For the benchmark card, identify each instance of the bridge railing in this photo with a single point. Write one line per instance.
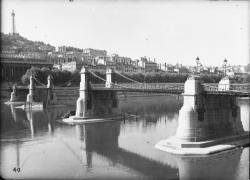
(27, 87)
(240, 87)
(155, 85)
(97, 86)
(243, 88)
(173, 86)
(210, 86)
(232, 87)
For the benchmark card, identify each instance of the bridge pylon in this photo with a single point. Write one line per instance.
(51, 96)
(109, 78)
(49, 82)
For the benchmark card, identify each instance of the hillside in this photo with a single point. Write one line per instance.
(20, 43)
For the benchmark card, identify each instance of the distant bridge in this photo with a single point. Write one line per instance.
(13, 67)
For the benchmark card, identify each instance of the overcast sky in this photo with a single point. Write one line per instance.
(172, 32)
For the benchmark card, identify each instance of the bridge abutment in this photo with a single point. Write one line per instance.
(109, 78)
(208, 123)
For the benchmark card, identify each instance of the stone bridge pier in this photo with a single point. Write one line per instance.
(96, 103)
(208, 123)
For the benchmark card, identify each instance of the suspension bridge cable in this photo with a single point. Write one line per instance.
(136, 81)
(60, 85)
(97, 76)
(127, 78)
(39, 82)
(106, 80)
(121, 85)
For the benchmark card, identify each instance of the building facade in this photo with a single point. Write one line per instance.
(94, 52)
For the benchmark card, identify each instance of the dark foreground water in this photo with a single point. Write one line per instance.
(35, 145)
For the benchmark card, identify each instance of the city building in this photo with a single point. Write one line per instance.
(151, 67)
(66, 49)
(148, 65)
(163, 67)
(94, 52)
(71, 66)
(127, 64)
(121, 63)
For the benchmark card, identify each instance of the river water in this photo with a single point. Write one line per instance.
(35, 145)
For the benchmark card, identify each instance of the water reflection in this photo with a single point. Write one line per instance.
(41, 119)
(30, 117)
(85, 149)
(35, 142)
(151, 109)
(219, 166)
(13, 112)
(18, 155)
(15, 119)
(244, 113)
(103, 138)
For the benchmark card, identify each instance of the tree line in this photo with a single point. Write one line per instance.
(68, 78)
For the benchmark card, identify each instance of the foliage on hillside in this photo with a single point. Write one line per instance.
(22, 44)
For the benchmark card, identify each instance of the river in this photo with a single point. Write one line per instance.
(35, 145)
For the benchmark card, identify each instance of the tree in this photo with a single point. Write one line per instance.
(247, 68)
(67, 78)
(246, 78)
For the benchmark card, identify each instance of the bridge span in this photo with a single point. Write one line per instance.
(43, 91)
(209, 120)
(240, 90)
